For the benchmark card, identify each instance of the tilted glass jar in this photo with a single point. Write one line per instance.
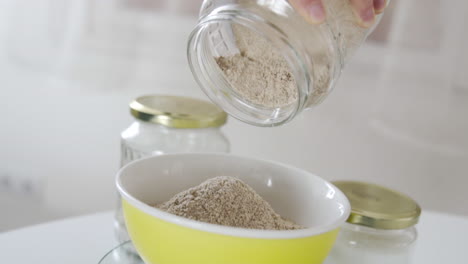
(381, 227)
(316, 54)
(169, 124)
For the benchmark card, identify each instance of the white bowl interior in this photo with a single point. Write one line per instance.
(295, 194)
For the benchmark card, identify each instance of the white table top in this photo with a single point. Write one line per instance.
(442, 239)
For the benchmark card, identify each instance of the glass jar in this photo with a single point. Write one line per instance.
(381, 227)
(315, 54)
(169, 124)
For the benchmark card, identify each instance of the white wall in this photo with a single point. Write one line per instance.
(397, 116)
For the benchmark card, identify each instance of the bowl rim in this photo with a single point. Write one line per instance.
(345, 207)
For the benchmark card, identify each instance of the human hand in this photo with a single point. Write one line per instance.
(365, 10)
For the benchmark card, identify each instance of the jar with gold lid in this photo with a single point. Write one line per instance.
(169, 124)
(381, 227)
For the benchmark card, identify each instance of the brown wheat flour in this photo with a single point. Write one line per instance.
(258, 73)
(226, 201)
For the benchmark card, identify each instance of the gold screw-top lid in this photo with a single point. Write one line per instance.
(177, 111)
(379, 207)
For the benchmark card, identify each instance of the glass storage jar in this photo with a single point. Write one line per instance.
(316, 54)
(381, 227)
(169, 124)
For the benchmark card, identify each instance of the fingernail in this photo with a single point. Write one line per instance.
(379, 6)
(367, 17)
(316, 12)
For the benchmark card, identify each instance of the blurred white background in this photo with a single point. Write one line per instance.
(398, 117)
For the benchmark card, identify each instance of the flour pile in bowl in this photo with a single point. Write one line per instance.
(227, 201)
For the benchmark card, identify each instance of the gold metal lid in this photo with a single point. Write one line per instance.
(379, 207)
(177, 111)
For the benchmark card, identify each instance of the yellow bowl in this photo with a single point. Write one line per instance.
(161, 238)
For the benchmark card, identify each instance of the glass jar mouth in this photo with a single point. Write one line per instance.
(212, 35)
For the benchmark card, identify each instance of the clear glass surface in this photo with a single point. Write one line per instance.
(363, 245)
(122, 254)
(142, 139)
(316, 54)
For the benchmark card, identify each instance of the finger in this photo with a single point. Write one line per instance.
(379, 6)
(311, 10)
(364, 10)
